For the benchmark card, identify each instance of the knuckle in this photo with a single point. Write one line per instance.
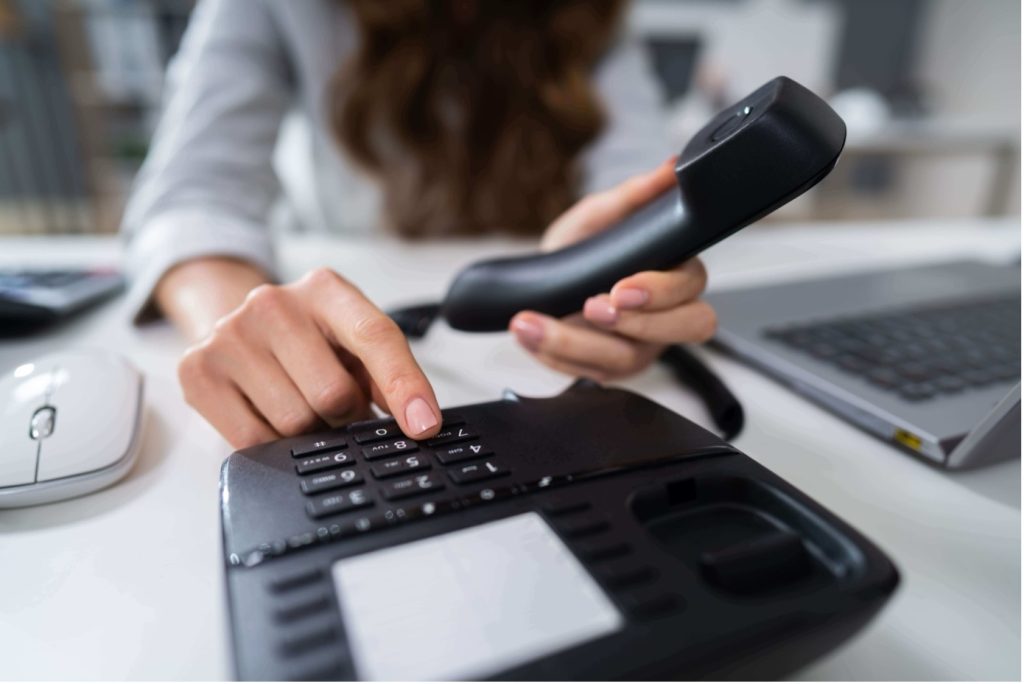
(630, 360)
(320, 277)
(296, 422)
(555, 339)
(193, 367)
(637, 327)
(266, 300)
(227, 328)
(335, 397)
(375, 329)
(707, 322)
(400, 383)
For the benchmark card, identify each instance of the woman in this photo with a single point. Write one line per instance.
(443, 117)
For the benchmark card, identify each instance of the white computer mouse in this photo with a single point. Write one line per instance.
(69, 425)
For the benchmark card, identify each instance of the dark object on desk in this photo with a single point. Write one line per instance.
(927, 358)
(591, 535)
(723, 406)
(749, 160)
(37, 297)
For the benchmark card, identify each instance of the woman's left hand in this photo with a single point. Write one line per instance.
(620, 332)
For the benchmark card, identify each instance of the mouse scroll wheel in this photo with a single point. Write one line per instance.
(732, 123)
(43, 420)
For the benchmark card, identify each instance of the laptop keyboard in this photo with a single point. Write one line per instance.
(919, 352)
(44, 279)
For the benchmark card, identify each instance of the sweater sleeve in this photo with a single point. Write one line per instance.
(208, 181)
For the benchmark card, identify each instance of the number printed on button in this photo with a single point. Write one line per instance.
(456, 434)
(462, 452)
(390, 448)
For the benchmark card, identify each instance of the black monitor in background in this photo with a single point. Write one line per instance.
(878, 44)
(675, 61)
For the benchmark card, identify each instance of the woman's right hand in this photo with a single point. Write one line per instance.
(293, 358)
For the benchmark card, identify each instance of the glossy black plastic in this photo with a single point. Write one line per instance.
(720, 568)
(746, 162)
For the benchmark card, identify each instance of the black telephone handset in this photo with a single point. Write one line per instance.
(751, 159)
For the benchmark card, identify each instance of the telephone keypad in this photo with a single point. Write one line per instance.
(334, 481)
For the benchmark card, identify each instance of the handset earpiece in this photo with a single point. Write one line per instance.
(749, 160)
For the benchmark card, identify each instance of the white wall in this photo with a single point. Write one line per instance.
(970, 62)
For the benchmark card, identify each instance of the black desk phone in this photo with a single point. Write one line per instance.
(590, 535)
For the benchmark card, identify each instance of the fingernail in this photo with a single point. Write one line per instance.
(529, 332)
(419, 416)
(600, 311)
(630, 298)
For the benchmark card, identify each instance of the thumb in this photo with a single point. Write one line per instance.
(596, 212)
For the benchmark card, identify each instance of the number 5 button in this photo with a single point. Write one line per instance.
(397, 466)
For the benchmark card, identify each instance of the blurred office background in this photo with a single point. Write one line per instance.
(930, 90)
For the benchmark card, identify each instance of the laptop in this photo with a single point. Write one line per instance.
(36, 296)
(927, 358)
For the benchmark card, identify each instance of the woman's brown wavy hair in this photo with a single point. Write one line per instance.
(471, 114)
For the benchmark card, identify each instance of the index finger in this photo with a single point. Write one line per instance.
(366, 332)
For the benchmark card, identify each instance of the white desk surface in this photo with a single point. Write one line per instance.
(128, 582)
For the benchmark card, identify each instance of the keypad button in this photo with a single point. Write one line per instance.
(389, 448)
(411, 486)
(399, 466)
(314, 464)
(375, 434)
(319, 446)
(486, 495)
(557, 507)
(300, 540)
(331, 480)
(462, 452)
(453, 434)
(594, 553)
(451, 420)
(474, 472)
(339, 503)
(644, 603)
(622, 575)
(583, 528)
